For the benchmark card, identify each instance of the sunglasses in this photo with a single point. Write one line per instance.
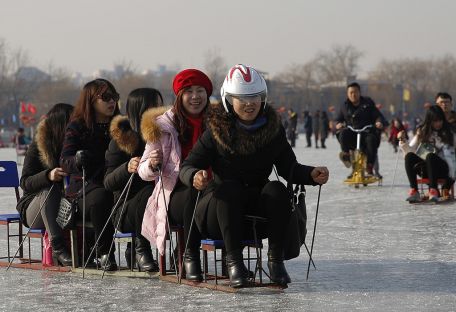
(107, 96)
(244, 99)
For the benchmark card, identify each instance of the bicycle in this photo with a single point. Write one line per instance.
(359, 162)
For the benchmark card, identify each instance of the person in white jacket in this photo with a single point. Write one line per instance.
(430, 154)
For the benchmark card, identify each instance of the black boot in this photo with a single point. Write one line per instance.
(276, 267)
(144, 258)
(192, 265)
(128, 256)
(108, 260)
(237, 271)
(59, 253)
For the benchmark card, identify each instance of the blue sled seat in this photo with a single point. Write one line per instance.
(35, 233)
(7, 219)
(214, 245)
(120, 237)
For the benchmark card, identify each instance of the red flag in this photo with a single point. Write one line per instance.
(31, 108)
(23, 108)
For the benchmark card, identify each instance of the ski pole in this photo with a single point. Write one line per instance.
(31, 225)
(315, 227)
(189, 233)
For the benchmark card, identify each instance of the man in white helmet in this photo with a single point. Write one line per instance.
(243, 141)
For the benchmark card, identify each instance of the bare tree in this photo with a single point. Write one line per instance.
(444, 74)
(338, 64)
(300, 80)
(215, 67)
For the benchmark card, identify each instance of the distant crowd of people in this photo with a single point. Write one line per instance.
(430, 153)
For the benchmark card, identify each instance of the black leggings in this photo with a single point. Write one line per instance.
(369, 143)
(99, 203)
(231, 201)
(181, 207)
(433, 168)
(134, 211)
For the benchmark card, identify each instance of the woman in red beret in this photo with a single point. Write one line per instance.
(170, 135)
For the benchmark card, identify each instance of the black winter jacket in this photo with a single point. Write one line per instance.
(362, 115)
(125, 144)
(96, 141)
(235, 154)
(42, 156)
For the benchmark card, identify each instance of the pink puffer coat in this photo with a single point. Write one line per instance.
(159, 133)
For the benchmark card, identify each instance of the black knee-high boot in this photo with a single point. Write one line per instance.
(276, 266)
(60, 252)
(144, 257)
(192, 265)
(237, 271)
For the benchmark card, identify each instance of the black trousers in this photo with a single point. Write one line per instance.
(181, 207)
(134, 211)
(432, 168)
(308, 138)
(369, 143)
(231, 201)
(99, 203)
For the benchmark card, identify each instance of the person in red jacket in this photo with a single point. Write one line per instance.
(396, 127)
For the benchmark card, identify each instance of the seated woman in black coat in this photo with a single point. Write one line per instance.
(243, 141)
(41, 171)
(88, 131)
(122, 159)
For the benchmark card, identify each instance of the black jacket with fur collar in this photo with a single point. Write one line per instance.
(125, 144)
(235, 154)
(42, 156)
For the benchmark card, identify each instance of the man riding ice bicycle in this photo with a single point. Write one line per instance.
(359, 111)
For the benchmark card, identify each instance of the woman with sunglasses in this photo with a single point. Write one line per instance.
(122, 159)
(42, 178)
(170, 137)
(86, 141)
(243, 141)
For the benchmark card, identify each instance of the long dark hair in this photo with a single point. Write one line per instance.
(180, 118)
(435, 113)
(139, 100)
(84, 110)
(56, 121)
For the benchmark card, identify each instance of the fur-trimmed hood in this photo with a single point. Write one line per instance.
(49, 147)
(237, 140)
(128, 140)
(150, 127)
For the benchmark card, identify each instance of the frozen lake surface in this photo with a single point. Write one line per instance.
(373, 252)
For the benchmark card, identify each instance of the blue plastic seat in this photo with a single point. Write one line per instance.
(9, 178)
(10, 217)
(120, 237)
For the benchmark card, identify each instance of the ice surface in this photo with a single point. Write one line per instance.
(373, 252)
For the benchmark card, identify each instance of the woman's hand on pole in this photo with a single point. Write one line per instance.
(320, 175)
(133, 165)
(155, 159)
(200, 180)
(56, 174)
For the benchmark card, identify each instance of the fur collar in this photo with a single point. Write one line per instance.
(125, 137)
(236, 140)
(150, 128)
(48, 146)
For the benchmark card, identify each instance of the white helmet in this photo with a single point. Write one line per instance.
(243, 81)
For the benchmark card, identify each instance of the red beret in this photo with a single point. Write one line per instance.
(192, 77)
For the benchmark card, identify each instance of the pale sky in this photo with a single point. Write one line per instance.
(84, 36)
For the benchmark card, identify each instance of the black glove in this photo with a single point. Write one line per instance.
(82, 159)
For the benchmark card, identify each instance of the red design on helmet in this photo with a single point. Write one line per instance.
(245, 74)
